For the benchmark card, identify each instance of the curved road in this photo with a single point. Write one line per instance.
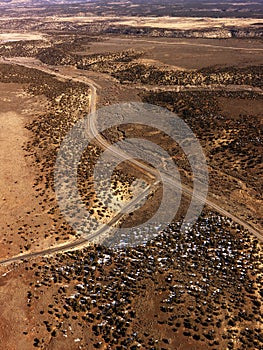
(91, 129)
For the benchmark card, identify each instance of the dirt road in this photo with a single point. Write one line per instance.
(103, 142)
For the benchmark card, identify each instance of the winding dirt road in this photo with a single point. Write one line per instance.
(103, 142)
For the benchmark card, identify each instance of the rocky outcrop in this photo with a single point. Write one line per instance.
(216, 33)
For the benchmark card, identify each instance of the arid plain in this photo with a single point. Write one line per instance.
(202, 290)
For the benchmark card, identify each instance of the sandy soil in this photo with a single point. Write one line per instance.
(6, 37)
(186, 53)
(20, 208)
(184, 23)
(12, 324)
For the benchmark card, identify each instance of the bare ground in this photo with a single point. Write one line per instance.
(21, 211)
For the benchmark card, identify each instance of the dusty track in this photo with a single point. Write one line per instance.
(93, 131)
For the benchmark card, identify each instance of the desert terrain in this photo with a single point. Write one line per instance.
(60, 63)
